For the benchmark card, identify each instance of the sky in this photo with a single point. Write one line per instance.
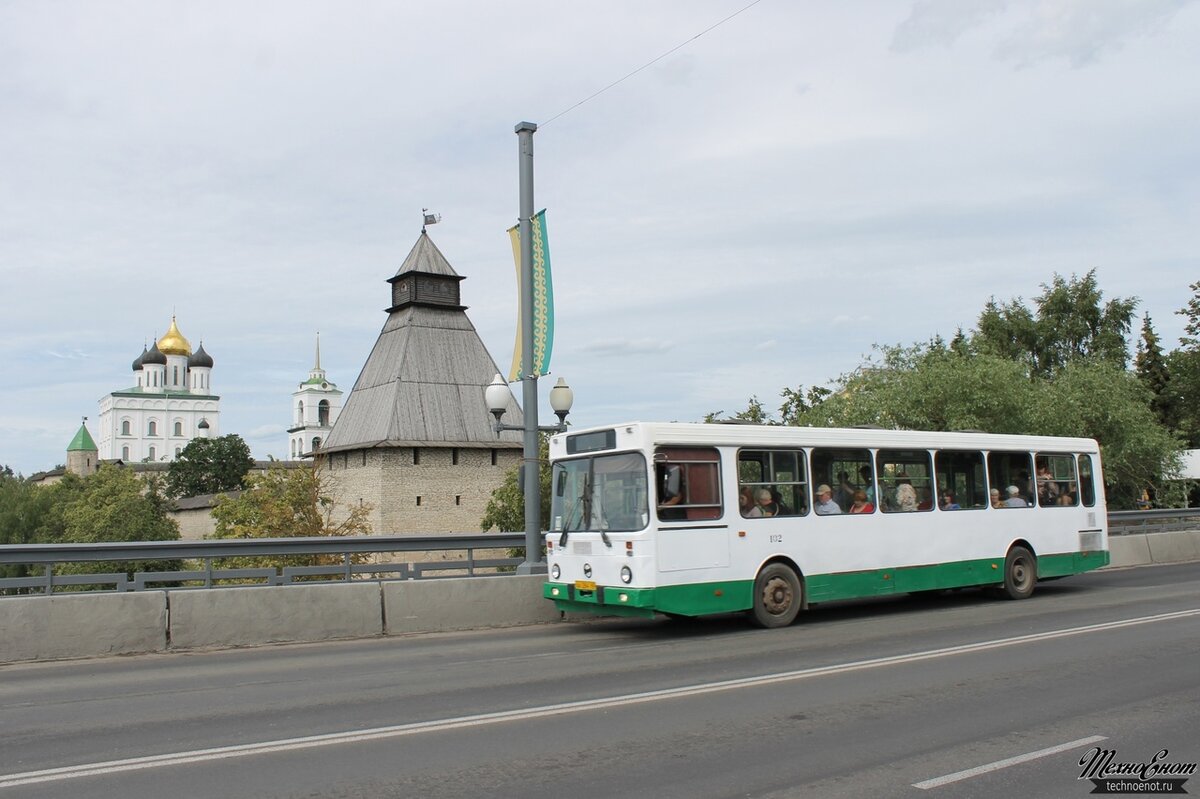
(752, 211)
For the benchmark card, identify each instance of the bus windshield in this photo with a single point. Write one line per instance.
(606, 493)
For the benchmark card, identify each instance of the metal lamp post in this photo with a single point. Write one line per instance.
(497, 393)
(561, 397)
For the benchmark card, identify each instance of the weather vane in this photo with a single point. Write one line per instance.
(430, 219)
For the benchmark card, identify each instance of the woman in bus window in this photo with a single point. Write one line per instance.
(860, 504)
(948, 502)
(906, 495)
(746, 503)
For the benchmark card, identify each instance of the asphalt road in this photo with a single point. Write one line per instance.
(956, 695)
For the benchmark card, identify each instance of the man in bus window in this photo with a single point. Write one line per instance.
(825, 504)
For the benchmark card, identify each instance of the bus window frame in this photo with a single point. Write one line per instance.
(685, 510)
(801, 484)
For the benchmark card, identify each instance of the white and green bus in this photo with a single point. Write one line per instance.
(695, 519)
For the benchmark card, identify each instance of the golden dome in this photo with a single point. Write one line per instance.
(173, 343)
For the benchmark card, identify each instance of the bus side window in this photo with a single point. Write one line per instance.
(844, 471)
(1056, 484)
(1010, 474)
(688, 483)
(904, 482)
(780, 473)
(960, 476)
(1087, 485)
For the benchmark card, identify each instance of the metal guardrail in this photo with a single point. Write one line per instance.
(1165, 520)
(206, 575)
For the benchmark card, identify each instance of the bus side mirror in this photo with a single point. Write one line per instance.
(561, 486)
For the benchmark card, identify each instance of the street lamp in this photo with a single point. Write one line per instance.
(496, 396)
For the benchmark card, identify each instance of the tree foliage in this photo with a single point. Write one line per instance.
(210, 466)
(1151, 367)
(505, 510)
(1059, 368)
(110, 505)
(1070, 321)
(287, 503)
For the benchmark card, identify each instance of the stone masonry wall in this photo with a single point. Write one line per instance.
(452, 496)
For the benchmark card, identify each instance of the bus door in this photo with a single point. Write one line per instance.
(691, 533)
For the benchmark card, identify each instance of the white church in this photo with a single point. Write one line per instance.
(171, 404)
(316, 405)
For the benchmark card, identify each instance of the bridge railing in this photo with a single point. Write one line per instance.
(1166, 520)
(353, 558)
(357, 558)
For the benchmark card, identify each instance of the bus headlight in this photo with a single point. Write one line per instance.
(555, 571)
(626, 575)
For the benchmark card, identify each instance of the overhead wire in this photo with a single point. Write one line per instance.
(648, 64)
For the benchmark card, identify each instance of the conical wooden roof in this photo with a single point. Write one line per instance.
(423, 383)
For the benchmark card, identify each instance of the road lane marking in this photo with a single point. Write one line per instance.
(1009, 761)
(543, 711)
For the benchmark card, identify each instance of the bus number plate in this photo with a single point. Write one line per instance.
(585, 585)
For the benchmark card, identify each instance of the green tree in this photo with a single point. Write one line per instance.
(755, 413)
(927, 387)
(505, 510)
(1192, 312)
(1183, 365)
(110, 505)
(1151, 369)
(23, 508)
(1072, 321)
(287, 503)
(209, 466)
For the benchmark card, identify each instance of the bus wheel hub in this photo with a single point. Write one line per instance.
(777, 596)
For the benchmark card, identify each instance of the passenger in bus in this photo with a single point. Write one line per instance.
(906, 495)
(864, 472)
(825, 504)
(860, 504)
(746, 502)
(994, 497)
(1066, 500)
(926, 502)
(1014, 498)
(766, 505)
(948, 502)
(1028, 488)
(777, 502)
(845, 491)
(1047, 488)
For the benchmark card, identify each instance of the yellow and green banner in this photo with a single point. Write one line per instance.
(543, 300)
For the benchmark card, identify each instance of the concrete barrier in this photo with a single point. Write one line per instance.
(88, 625)
(1128, 550)
(274, 614)
(82, 625)
(428, 605)
(1174, 547)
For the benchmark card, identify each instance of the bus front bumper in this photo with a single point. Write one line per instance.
(602, 600)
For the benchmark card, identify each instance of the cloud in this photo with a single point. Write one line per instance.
(941, 22)
(621, 347)
(1025, 32)
(266, 431)
(1082, 31)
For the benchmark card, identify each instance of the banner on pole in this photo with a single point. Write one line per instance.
(543, 299)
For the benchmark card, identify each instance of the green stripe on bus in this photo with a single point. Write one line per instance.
(728, 596)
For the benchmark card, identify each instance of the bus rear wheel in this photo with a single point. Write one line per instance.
(777, 596)
(1020, 573)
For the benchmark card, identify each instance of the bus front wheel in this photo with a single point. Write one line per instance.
(777, 596)
(1020, 573)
